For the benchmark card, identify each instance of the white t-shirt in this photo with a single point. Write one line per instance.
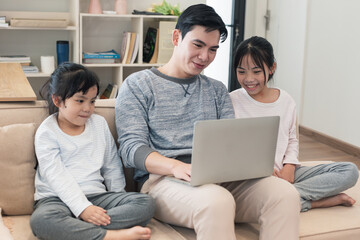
(71, 167)
(287, 145)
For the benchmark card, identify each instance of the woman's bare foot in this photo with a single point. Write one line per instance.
(134, 233)
(340, 199)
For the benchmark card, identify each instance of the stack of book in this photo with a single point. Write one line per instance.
(129, 47)
(30, 69)
(101, 57)
(110, 91)
(3, 22)
(22, 59)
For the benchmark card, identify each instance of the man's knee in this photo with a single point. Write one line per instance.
(284, 194)
(218, 200)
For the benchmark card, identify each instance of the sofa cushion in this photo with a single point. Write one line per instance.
(333, 223)
(317, 224)
(4, 231)
(17, 162)
(19, 227)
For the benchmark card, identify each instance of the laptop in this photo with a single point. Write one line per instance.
(228, 150)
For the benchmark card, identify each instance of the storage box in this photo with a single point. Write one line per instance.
(28, 22)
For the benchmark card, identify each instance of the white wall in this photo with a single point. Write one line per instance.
(254, 18)
(331, 77)
(287, 32)
(317, 47)
(219, 68)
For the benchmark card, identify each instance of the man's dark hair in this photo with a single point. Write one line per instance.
(202, 15)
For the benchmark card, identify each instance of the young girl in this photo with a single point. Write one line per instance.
(319, 186)
(79, 180)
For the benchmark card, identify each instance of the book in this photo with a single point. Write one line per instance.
(127, 46)
(30, 69)
(136, 49)
(106, 54)
(154, 57)
(123, 46)
(110, 91)
(131, 47)
(114, 91)
(99, 60)
(149, 44)
(166, 46)
(3, 22)
(23, 59)
(107, 92)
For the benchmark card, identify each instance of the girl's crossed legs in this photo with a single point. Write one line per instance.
(52, 219)
(321, 185)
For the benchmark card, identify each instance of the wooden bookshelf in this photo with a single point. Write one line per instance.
(85, 32)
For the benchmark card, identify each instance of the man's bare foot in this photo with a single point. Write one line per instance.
(340, 199)
(134, 233)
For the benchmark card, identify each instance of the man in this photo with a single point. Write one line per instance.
(155, 113)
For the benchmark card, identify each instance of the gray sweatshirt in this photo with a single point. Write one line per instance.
(155, 112)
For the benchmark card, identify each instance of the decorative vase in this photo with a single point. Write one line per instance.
(120, 6)
(95, 7)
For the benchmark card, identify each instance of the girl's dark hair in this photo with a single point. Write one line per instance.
(65, 81)
(202, 15)
(259, 49)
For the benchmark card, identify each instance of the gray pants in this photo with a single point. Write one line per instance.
(52, 219)
(324, 180)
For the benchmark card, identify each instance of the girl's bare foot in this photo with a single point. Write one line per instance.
(340, 199)
(134, 233)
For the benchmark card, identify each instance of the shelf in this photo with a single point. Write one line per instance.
(122, 65)
(39, 74)
(69, 28)
(159, 16)
(128, 16)
(84, 31)
(100, 32)
(36, 15)
(107, 15)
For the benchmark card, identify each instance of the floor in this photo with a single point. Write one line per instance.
(312, 150)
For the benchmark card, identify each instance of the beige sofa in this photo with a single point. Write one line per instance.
(18, 123)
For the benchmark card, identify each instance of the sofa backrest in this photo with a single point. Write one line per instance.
(22, 112)
(36, 112)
